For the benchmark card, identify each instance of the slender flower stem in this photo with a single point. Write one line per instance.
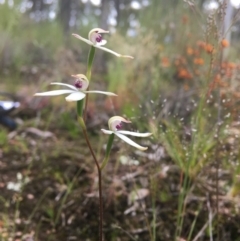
(109, 146)
(80, 107)
(84, 129)
(89, 74)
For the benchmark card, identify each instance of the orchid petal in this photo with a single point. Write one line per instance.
(135, 133)
(112, 52)
(103, 42)
(54, 93)
(100, 92)
(107, 132)
(83, 39)
(75, 96)
(98, 30)
(130, 142)
(67, 85)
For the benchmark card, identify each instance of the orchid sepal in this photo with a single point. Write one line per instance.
(100, 92)
(54, 93)
(130, 142)
(83, 39)
(131, 133)
(113, 52)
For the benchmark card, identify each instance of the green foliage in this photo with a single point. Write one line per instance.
(191, 156)
(68, 123)
(24, 42)
(3, 137)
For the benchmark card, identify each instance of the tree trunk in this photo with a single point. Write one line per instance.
(64, 14)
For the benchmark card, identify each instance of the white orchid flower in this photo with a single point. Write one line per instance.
(76, 92)
(95, 39)
(115, 125)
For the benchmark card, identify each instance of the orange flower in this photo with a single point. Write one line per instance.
(201, 44)
(184, 74)
(231, 65)
(198, 61)
(224, 43)
(185, 19)
(217, 78)
(219, 82)
(209, 48)
(165, 62)
(189, 51)
(180, 61)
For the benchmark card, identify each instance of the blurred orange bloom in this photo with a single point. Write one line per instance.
(165, 62)
(217, 78)
(189, 51)
(180, 60)
(231, 65)
(184, 74)
(198, 61)
(185, 19)
(219, 82)
(224, 43)
(209, 48)
(201, 44)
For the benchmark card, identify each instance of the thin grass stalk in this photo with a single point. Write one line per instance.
(144, 211)
(194, 223)
(182, 206)
(218, 130)
(154, 211)
(36, 208)
(69, 189)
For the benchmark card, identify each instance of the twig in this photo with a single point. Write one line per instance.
(200, 233)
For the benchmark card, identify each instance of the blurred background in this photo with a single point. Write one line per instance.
(37, 48)
(183, 86)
